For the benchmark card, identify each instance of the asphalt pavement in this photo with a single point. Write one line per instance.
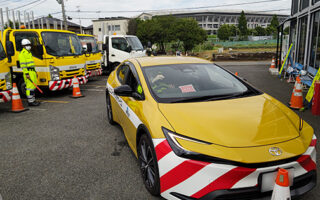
(65, 148)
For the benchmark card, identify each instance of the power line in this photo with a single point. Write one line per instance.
(41, 2)
(25, 5)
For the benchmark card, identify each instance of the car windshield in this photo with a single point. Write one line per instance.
(193, 82)
(86, 39)
(135, 43)
(2, 52)
(62, 44)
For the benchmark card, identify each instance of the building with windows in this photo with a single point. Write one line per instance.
(304, 32)
(109, 26)
(212, 20)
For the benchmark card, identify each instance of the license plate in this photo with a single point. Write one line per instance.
(269, 179)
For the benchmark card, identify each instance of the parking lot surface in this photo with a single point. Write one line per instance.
(65, 149)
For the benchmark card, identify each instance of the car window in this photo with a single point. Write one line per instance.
(172, 83)
(122, 72)
(120, 44)
(33, 38)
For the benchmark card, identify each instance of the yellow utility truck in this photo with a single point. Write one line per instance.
(5, 76)
(58, 57)
(92, 54)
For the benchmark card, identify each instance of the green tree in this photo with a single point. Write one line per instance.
(286, 31)
(50, 16)
(189, 32)
(10, 24)
(133, 26)
(260, 31)
(274, 21)
(234, 31)
(224, 32)
(243, 25)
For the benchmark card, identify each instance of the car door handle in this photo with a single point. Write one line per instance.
(112, 55)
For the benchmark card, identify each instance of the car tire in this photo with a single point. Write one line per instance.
(109, 109)
(148, 165)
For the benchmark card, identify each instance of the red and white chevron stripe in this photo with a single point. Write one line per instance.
(95, 72)
(196, 179)
(5, 96)
(66, 83)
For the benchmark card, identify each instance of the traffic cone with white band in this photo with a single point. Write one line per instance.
(16, 100)
(296, 97)
(281, 190)
(273, 64)
(76, 89)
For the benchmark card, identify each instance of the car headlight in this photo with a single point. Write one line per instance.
(176, 147)
(55, 73)
(8, 79)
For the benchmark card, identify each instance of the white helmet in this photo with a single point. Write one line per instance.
(25, 42)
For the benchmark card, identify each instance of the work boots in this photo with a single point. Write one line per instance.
(35, 103)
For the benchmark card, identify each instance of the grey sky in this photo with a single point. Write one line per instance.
(44, 7)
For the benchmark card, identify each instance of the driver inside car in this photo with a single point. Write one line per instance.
(159, 82)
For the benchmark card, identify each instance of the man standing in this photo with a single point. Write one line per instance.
(29, 72)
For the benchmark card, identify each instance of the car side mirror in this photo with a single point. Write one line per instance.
(104, 47)
(129, 49)
(40, 49)
(89, 47)
(123, 90)
(137, 96)
(10, 50)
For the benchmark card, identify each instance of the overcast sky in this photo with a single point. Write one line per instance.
(44, 7)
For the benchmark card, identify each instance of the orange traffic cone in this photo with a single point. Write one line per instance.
(236, 73)
(76, 89)
(16, 101)
(273, 64)
(296, 97)
(281, 190)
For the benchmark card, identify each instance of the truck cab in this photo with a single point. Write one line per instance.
(57, 55)
(117, 48)
(5, 77)
(93, 55)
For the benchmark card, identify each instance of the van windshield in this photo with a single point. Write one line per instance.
(2, 52)
(62, 44)
(86, 39)
(135, 43)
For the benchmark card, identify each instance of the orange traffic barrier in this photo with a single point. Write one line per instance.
(16, 100)
(76, 89)
(296, 97)
(281, 189)
(273, 64)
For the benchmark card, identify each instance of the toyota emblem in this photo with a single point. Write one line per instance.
(275, 151)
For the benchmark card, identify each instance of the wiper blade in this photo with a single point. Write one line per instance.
(214, 97)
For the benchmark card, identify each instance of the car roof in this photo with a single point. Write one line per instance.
(168, 60)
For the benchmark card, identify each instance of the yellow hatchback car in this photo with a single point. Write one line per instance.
(200, 132)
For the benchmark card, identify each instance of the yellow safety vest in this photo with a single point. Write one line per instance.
(26, 61)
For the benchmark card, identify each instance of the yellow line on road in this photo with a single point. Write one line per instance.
(49, 101)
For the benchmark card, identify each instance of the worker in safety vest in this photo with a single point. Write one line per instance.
(29, 71)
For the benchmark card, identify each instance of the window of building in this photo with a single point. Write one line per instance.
(294, 7)
(315, 53)
(117, 27)
(302, 39)
(293, 33)
(209, 25)
(304, 4)
(99, 29)
(215, 25)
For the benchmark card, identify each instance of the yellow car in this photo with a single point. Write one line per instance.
(200, 132)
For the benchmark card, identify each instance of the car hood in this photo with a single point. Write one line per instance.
(243, 122)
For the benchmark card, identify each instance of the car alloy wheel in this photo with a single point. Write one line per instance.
(148, 165)
(109, 109)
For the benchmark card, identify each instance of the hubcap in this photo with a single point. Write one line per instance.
(147, 164)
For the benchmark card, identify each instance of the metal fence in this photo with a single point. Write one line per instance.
(243, 43)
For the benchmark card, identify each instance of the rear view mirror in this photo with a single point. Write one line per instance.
(40, 49)
(129, 49)
(10, 50)
(123, 90)
(89, 47)
(104, 47)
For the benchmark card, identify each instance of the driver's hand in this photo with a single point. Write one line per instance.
(158, 77)
(27, 76)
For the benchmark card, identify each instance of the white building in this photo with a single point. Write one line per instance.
(109, 26)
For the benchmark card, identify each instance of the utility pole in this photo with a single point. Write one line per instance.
(79, 19)
(63, 13)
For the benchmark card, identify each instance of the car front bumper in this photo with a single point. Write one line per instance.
(5, 96)
(66, 83)
(94, 72)
(187, 179)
